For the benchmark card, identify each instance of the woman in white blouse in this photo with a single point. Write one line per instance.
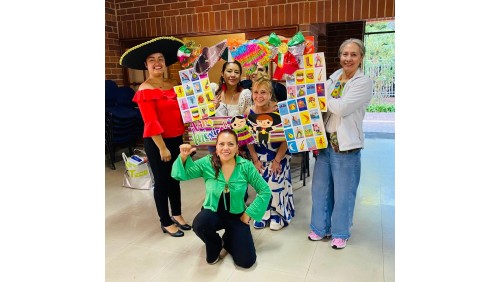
(230, 97)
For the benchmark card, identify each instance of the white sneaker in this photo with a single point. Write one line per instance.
(276, 223)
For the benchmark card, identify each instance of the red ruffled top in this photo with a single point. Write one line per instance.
(160, 112)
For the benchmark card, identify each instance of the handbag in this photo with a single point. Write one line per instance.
(137, 173)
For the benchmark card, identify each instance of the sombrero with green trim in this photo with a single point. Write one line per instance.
(135, 57)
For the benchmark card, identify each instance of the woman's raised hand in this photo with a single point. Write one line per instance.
(185, 151)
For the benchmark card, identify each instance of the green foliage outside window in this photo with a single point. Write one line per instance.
(379, 60)
(379, 26)
(381, 108)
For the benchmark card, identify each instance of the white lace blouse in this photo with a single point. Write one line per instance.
(225, 110)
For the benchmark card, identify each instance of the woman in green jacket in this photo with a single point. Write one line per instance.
(227, 176)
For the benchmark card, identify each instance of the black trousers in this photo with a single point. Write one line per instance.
(237, 238)
(166, 188)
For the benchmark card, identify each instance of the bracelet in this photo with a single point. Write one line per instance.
(276, 161)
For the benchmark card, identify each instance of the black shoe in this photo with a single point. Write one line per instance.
(183, 227)
(179, 233)
(215, 261)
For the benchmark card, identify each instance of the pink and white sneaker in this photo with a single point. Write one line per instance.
(338, 243)
(315, 237)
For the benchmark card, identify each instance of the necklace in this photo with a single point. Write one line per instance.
(226, 104)
(232, 98)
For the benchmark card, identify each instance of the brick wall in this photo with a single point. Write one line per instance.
(151, 18)
(336, 33)
(112, 49)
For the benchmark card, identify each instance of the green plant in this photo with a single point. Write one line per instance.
(381, 108)
(378, 63)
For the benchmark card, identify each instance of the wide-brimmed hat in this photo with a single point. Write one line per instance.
(135, 57)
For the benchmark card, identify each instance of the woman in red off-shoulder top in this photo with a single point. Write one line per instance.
(163, 126)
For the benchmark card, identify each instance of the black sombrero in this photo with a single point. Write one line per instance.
(135, 57)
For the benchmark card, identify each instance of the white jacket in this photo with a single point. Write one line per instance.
(349, 110)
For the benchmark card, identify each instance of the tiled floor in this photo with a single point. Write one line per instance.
(137, 250)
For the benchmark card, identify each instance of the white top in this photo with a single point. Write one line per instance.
(225, 110)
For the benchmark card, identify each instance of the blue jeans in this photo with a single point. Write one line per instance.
(334, 185)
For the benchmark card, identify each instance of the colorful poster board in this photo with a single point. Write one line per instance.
(309, 79)
(303, 124)
(194, 95)
(204, 132)
(301, 112)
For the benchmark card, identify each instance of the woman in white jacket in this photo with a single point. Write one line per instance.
(338, 167)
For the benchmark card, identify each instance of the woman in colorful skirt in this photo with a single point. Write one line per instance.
(271, 159)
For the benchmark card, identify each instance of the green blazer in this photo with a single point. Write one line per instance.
(244, 173)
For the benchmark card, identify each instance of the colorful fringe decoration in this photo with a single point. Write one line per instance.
(232, 44)
(251, 53)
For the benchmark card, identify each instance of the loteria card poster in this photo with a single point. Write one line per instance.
(302, 122)
(195, 97)
(309, 79)
(262, 128)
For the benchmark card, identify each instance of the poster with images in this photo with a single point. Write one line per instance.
(301, 112)
(194, 95)
(250, 130)
(309, 79)
(266, 128)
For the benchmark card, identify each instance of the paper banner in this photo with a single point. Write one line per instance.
(195, 97)
(204, 132)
